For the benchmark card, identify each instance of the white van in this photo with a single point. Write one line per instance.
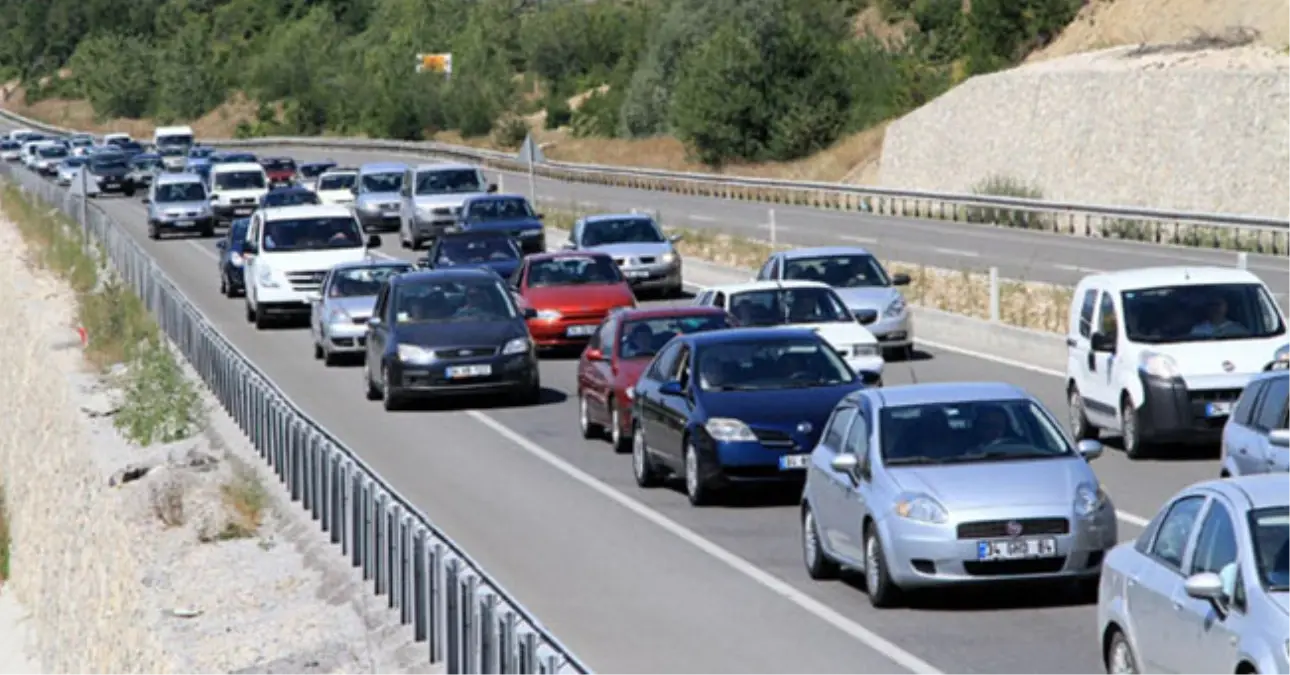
(235, 189)
(116, 139)
(1161, 354)
(287, 252)
(168, 136)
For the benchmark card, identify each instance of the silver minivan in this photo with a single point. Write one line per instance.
(1256, 438)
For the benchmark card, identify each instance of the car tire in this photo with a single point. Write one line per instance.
(819, 565)
(261, 320)
(250, 312)
(372, 393)
(588, 428)
(208, 232)
(531, 394)
(643, 469)
(697, 490)
(881, 589)
(318, 352)
(224, 290)
(390, 398)
(620, 443)
(1077, 419)
(1130, 431)
(330, 358)
(1119, 657)
(154, 233)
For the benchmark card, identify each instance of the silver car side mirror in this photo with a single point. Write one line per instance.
(1089, 449)
(845, 463)
(1208, 586)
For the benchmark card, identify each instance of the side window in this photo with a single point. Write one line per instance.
(665, 363)
(325, 286)
(764, 272)
(1272, 405)
(1086, 313)
(774, 268)
(835, 434)
(1175, 530)
(608, 343)
(1248, 404)
(1108, 323)
(702, 298)
(1216, 545)
(575, 234)
(719, 300)
(683, 368)
(518, 275)
(858, 438)
(382, 299)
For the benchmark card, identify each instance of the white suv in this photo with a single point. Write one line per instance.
(1161, 354)
(289, 250)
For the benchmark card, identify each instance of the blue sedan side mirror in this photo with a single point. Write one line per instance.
(671, 389)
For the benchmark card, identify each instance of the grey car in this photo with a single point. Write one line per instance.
(1204, 588)
(69, 169)
(376, 195)
(343, 303)
(431, 199)
(868, 290)
(934, 485)
(1256, 438)
(647, 257)
(178, 202)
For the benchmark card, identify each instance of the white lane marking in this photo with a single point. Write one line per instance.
(957, 251)
(702, 219)
(772, 583)
(858, 240)
(1123, 516)
(1078, 268)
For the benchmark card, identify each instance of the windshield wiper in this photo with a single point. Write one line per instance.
(999, 455)
(902, 461)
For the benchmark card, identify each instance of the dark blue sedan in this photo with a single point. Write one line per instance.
(491, 250)
(738, 406)
(511, 214)
(230, 259)
(292, 195)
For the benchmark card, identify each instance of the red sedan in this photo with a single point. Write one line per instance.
(280, 170)
(572, 292)
(617, 354)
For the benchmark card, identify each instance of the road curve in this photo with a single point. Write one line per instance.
(637, 581)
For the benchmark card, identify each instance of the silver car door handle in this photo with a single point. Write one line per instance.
(1131, 582)
(1177, 606)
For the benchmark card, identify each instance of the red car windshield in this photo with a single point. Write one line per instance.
(643, 338)
(574, 271)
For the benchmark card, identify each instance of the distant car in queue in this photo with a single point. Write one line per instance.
(448, 332)
(618, 352)
(111, 173)
(571, 293)
(495, 251)
(343, 304)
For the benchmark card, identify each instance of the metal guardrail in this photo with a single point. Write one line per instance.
(469, 622)
(1253, 234)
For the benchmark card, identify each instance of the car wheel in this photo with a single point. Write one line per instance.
(818, 563)
(391, 398)
(531, 394)
(261, 320)
(372, 392)
(1077, 419)
(588, 428)
(329, 358)
(318, 351)
(208, 232)
(882, 591)
(616, 438)
(698, 490)
(1130, 432)
(223, 286)
(153, 232)
(250, 312)
(647, 476)
(1119, 656)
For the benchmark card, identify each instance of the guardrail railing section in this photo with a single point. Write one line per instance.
(469, 623)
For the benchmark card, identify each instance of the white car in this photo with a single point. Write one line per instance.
(1161, 354)
(288, 252)
(336, 186)
(802, 304)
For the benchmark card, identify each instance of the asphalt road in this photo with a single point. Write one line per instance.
(638, 581)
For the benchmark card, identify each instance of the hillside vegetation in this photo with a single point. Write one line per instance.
(731, 81)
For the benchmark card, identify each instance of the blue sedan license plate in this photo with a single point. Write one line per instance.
(791, 462)
(1016, 549)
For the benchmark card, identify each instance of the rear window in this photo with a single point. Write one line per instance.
(279, 165)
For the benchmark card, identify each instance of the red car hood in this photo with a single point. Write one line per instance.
(578, 299)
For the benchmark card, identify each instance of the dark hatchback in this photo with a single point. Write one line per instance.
(490, 250)
(737, 406)
(111, 171)
(448, 332)
(509, 214)
(231, 283)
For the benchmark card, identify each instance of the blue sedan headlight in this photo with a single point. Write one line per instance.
(920, 507)
(729, 430)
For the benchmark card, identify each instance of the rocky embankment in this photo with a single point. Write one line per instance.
(1185, 126)
(180, 558)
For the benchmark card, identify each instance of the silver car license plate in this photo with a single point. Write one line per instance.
(1016, 549)
(460, 372)
(637, 274)
(184, 223)
(245, 211)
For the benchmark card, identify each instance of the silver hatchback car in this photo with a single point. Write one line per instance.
(1256, 438)
(343, 304)
(1204, 588)
(933, 485)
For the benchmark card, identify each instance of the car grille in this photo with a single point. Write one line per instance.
(1003, 568)
(1214, 395)
(306, 281)
(242, 201)
(583, 315)
(985, 529)
(773, 438)
(866, 316)
(465, 352)
(632, 262)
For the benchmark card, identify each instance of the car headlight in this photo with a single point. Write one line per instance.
(516, 346)
(1089, 499)
(368, 206)
(895, 308)
(920, 507)
(864, 350)
(668, 258)
(1158, 365)
(415, 355)
(548, 314)
(630, 393)
(339, 315)
(235, 258)
(264, 275)
(728, 430)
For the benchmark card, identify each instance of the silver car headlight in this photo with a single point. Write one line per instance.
(338, 315)
(919, 507)
(895, 308)
(416, 355)
(669, 258)
(1089, 499)
(516, 346)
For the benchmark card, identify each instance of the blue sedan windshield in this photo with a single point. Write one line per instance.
(771, 364)
(470, 251)
(501, 208)
(969, 431)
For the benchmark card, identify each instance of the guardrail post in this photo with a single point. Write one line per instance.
(501, 185)
(1242, 260)
(773, 238)
(994, 294)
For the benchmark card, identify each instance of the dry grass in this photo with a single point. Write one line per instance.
(245, 500)
(77, 114)
(4, 539)
(1026, 304)
(167, 500)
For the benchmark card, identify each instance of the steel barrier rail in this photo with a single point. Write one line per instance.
(1253, 234)
(467, 620)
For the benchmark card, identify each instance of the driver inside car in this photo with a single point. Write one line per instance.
(993, 426)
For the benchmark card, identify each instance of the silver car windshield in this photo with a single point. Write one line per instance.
(621, 231)
(181, 192)
(771, 364)
(969, 431)
(838, 271)
(56, 152)
(779, 307)
(1271, 529)
(382, 182)
(339, 181)
(447, 181)
(359, 282)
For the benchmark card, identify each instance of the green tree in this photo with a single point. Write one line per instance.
(188, 83)
(114, 72)
(719, 108)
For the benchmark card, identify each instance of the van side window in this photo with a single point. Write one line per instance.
(1109, 325)
(1086, 313)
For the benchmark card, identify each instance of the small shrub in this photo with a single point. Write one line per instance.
(161, 405)
(167, 499)
(1006, 186)
(245, 500)
(510, 132)
(558, 114)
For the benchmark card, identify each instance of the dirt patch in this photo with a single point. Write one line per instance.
(79, 115)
